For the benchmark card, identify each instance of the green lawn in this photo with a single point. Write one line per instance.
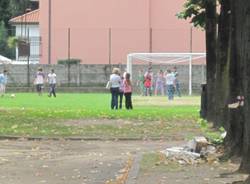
(31, 115)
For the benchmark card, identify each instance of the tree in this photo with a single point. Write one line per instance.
(3, 41)
(9, 9)
(242, 13)
(203, 14)
(5, 14)
(231, 72)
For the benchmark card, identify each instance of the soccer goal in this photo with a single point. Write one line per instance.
(187, 62)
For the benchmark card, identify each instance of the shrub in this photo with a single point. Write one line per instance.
(69, 61)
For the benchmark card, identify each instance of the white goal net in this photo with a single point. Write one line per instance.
(191, 66)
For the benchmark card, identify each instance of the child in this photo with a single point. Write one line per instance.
(128, 91)
(39, 81)
(140, 82)
(52, 83)
(159, 83)
(148, 83)
(121, 91)
(3, 82)
(177, 83)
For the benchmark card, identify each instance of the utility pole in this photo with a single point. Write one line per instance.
(49, 36)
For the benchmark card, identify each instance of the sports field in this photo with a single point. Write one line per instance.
(89, 115)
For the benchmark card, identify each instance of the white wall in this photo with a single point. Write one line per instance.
(31, 31)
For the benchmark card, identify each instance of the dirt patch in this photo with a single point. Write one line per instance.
(64, 162)
(139, 129)
(201, 174)
(113, 122)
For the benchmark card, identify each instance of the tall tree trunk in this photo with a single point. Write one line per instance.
(211, 33)
(235, 121)
(222, 64)
(244, 11)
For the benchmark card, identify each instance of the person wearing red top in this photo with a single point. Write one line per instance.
(128, 91)
(148, 82)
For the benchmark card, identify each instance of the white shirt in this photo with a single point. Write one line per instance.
(3, 79)
(52, 78)
(170, 78)
(115, 81)
(40, 78)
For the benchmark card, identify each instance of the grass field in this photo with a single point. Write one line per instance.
(31, 115)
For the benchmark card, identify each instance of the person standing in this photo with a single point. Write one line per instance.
(52, 83)
(3, 82)
(159, 83)
(39, 81)
(128, 91)
(148, 76)
(177, 82)
(121, 92)
(115, 81)
(170, 79)
(140, 82)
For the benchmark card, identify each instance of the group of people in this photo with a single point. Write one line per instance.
(164, 82)
(39, 82)
(120, 85)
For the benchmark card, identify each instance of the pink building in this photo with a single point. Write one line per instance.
(105, 31)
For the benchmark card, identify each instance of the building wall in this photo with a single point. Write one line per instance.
(103, 32)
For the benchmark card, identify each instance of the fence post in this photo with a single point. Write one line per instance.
(78, 75)
(69, 40)
(110, 46)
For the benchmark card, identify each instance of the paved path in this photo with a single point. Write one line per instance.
(67, 162)
(95, 162)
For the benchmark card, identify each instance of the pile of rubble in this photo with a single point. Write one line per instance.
(198, 150)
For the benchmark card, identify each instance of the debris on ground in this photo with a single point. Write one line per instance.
(198, 150)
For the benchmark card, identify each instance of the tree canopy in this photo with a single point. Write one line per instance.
(9, 9)
(195, 10)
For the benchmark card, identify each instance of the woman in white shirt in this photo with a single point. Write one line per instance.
(115, 81)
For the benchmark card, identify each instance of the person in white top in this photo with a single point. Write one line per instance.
(3, 82)
(52, 83)
(177, 82)
(170, 82)
(115, 81)
(39, 81)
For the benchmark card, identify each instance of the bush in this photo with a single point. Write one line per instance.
(69, 61)
(213, 134)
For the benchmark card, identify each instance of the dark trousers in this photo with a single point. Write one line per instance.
(177, 89)
(114, 97)
(52, 90)
(170, 92)
(128, 100)
(120, 96)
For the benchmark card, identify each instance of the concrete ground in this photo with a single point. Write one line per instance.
(95, 162)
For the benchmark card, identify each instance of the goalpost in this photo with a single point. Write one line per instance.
(166, 58)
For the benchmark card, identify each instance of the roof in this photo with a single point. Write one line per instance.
(28, 18)
(4, 60)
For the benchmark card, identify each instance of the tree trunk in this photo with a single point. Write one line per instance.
(235, 121)
(222, 64)
(210, 7)
(244, 10)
